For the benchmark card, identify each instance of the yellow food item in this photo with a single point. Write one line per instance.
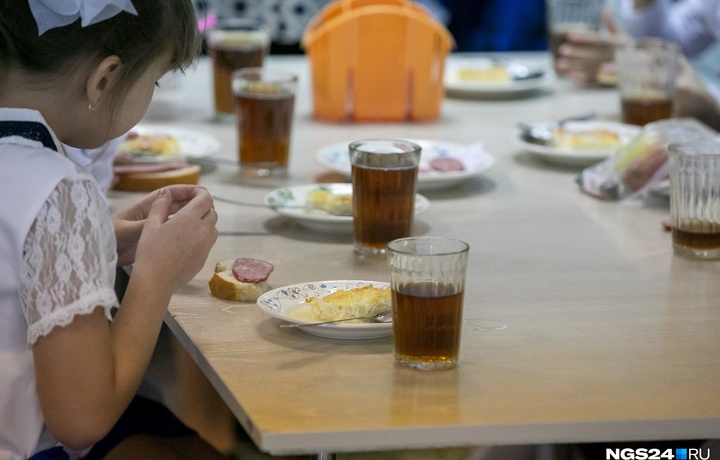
(492, 73)
(335, 203)
(147, 144)
(349, 303)
(590, 139)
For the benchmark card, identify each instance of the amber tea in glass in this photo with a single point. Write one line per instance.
(647, 69)
(427, 279)
(643, 109)
(384, 173)
(264, 106)
(695, 199)
(234, 44)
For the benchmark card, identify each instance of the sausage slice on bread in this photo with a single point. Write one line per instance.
(240, 280)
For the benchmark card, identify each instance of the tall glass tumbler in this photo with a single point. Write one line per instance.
(427, 279)
(233, 44)
(384, 173)
(571, 16)
(695, 199)
(647, 70)
(264, 104)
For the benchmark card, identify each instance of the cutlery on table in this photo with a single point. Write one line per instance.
(543, 135)
(523, 72)
(312, 209)
(383, 317)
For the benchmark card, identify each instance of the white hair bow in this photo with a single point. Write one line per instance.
(50, 14)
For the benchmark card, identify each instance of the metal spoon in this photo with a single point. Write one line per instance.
(516, 70)
(543, 134)
(383, 317)
(523, 72)
(312, 209)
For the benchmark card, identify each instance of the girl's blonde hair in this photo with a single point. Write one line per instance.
(161, 28)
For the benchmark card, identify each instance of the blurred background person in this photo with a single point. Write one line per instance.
(493, 25)
(693, 24)
(476, 25)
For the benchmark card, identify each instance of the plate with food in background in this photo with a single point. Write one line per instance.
(151, 157)
(578, 143)
(442, 164)
(322, 207)
(474, 76)
(319, 301)
(155, 143)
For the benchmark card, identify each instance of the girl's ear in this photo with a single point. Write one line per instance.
(102, 78)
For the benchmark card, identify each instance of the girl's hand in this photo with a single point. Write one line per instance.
(129, 222)
(172, 250)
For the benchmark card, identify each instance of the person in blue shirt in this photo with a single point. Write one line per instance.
(493, 25)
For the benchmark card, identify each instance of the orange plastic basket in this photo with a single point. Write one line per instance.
(376, 60)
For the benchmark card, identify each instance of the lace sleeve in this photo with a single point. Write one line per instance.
(69, 258)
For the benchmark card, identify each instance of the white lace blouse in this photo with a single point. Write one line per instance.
(69, 258)
(57, 261)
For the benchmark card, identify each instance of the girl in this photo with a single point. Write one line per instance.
(82, 72)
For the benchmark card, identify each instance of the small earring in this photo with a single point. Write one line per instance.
(92, 106)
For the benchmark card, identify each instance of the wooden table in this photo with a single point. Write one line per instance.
(608, 337)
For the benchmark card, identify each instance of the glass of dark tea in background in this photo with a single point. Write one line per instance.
(384, 173)
(264, 105)
(233, 44)
(695, 199)
(427, 279)
(647, 69)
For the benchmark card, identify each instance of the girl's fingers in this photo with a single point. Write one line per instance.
(160, 208)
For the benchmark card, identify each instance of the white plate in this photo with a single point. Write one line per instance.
(281, 302)
(193, 144)
(317, 220)
(476, 161)
(580, 157)
(455, 85)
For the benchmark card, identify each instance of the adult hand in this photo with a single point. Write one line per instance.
(692, 99)
(129, 222)
(583, 54)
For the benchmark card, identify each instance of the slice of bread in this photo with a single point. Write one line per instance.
(147, 182)
(224, 285)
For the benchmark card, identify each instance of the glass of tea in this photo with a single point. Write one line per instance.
(427, 279)
(571, 16)
(695, 199)
(647, 70)
(233, 44)
(264, 105)
(384, 173)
